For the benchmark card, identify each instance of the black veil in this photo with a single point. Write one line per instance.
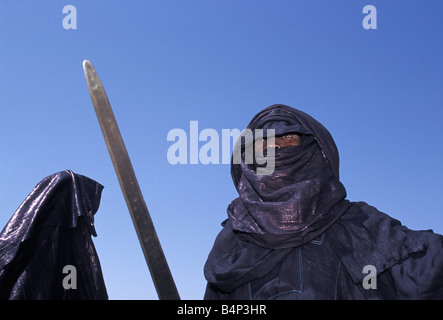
(50, 230)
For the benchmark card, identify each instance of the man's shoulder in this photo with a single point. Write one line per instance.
(371, 215)
(366, 236)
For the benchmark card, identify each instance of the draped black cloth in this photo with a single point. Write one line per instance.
(300, 199)
(292, 234)
(50, 230)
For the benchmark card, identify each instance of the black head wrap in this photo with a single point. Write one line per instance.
(276, 212)
(301, 197)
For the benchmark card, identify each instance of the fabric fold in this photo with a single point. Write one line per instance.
(50, 230)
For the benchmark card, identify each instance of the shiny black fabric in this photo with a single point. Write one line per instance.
(294, 204)
(50, 230)
(257, 257)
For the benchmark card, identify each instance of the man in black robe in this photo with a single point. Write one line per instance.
(291, 234)
(46, 250)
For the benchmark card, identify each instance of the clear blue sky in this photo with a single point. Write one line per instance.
(166, 63)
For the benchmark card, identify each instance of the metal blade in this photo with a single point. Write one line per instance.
(155, 258)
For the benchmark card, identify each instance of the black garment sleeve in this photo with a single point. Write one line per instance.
(421, 275)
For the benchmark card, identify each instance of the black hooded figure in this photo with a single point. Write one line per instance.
(291, 234)
(46, 250)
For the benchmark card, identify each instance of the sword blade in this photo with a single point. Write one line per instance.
(152, 250)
